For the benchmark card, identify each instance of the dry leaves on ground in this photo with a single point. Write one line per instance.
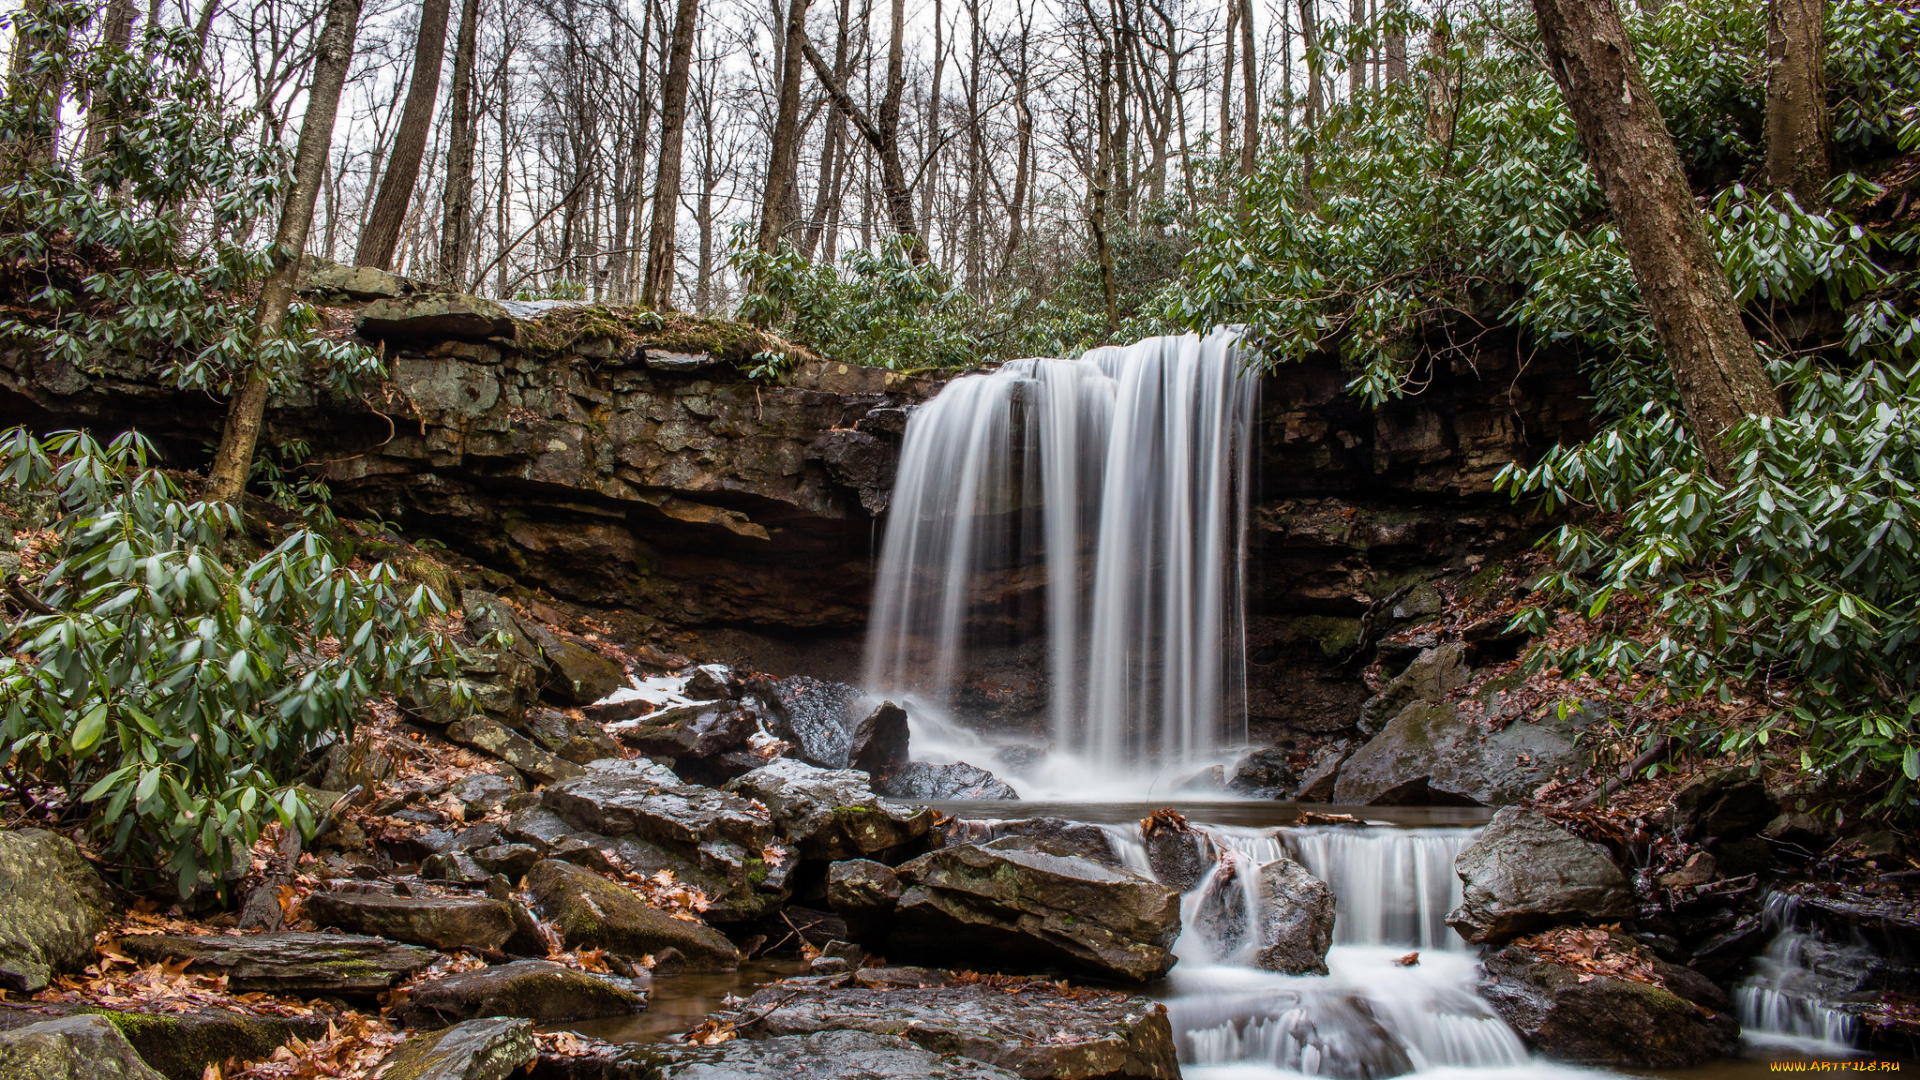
(1593, 950)
(351, 1050)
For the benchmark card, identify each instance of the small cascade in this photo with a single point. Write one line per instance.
(1124, 477)
(1394, 886)
(1798, 984)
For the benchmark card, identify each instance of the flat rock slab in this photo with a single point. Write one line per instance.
(920, 780)
(290, 962)
(72, 1048)
(829, 1055)
(536, 990)
(476, 1050)
(52, 903)
(618, 798)
(1027, 1027)
(830, 813)
(438, 922)
(180, 1045)
(594, 913)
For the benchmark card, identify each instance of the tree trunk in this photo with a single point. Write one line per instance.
(382, 235)
(456, 201)
(1310, 43)
(786, 130)
(1250, 89)
(658, 285)
(1226, 83)
(929, 168)
(1356, 53)
(825, 194)
(332, 56)
(1714, 363)
(1396, 43)
(116, 33)
(1797, 99)
(1102, 181)
(886, 144)
(39, 92)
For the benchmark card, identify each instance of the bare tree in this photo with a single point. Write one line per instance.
(658, 291)
(456, 200)
(784, 153)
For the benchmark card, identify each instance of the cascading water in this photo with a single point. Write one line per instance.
(1125, 476)
(1795, 992)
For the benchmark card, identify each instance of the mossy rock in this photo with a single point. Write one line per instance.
(492, 1049)
(182, 1045)
(52, 903)
(536, 990)
(593, 912)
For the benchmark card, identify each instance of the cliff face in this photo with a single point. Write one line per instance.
(633, 471)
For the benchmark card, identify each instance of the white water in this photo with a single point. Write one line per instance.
(1788, 1000)
(1124, 476)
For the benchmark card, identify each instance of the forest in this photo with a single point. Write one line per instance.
(446, 462)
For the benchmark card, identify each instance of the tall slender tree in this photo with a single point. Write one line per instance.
(1715, 365)
(456, 201)
(381, 237)
(784, 156)
(333, 54)
(658, 290)
(1797, 126)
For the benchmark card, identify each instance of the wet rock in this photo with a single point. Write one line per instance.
(1264, 774)
(1179, 856)
(880, 740)
(864, 894)
(1039, 1032)
(71, 1048)
(454, 868)
(513, 860)
(830, 813)
(491, 1049)
(697, 731)
(1209, 779)
(288, 962)
(860, 461)
(1590, 1019)
(537, 990)
(593, 912)
(433, 316)
(548, 834)
(493, 737)
(711, 682)
(1321, 778)
(481, 792)
(828, 1055)
(180, 1045)
(576, 674)
(1525, 872)
(1295, 920)
(570, 736)
(1309, 1030)
(922, 781)
(1075, 837)
(438, 922)
(815, 716)
(1430, 755)
(1431, 676)
(52, 903)
(1019, 904)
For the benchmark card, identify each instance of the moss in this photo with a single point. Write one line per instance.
(630, 328)
(1335, 636)
(181, 1047)
(756, 872)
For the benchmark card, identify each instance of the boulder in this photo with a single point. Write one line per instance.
(922, 781)
(1267, 773)
(491, 736)
(711, 682)
(1524, 872)
(830, 813)
(576, 673)
(433, 317)
(1021, 904)
(1430, 755)
(638, 798)
(864, 894)
(815, 716)
(595, 913)
(827, 1055)
(537, 990)
(491, 1049)
(550, 835)
(1179, 856)
(1725, 804)
(438, 922)
(570, 735)
(1432, 675)
(288, 962)
(699, 730)
(71, 1048)
(1295, 920)
(52, 903)
(331, 281)
(1321, 778)
(1586, 1018)
(1042, 1031)
(454, 868)
(511, 860)
(879, 742)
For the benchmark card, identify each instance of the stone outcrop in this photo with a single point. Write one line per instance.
(592, 912)
(1022, 905)
(179, 1045)
(288, 962)
(438, 922)
(1585, 1018)
(1083, 1035)
(924, 781)
(1294, 926)
(1431, 754)
(52, 903)
(1524, 872)
(71, 1048)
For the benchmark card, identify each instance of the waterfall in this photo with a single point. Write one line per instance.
(1395, 886)
(1124, 476)
(1794, 992)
